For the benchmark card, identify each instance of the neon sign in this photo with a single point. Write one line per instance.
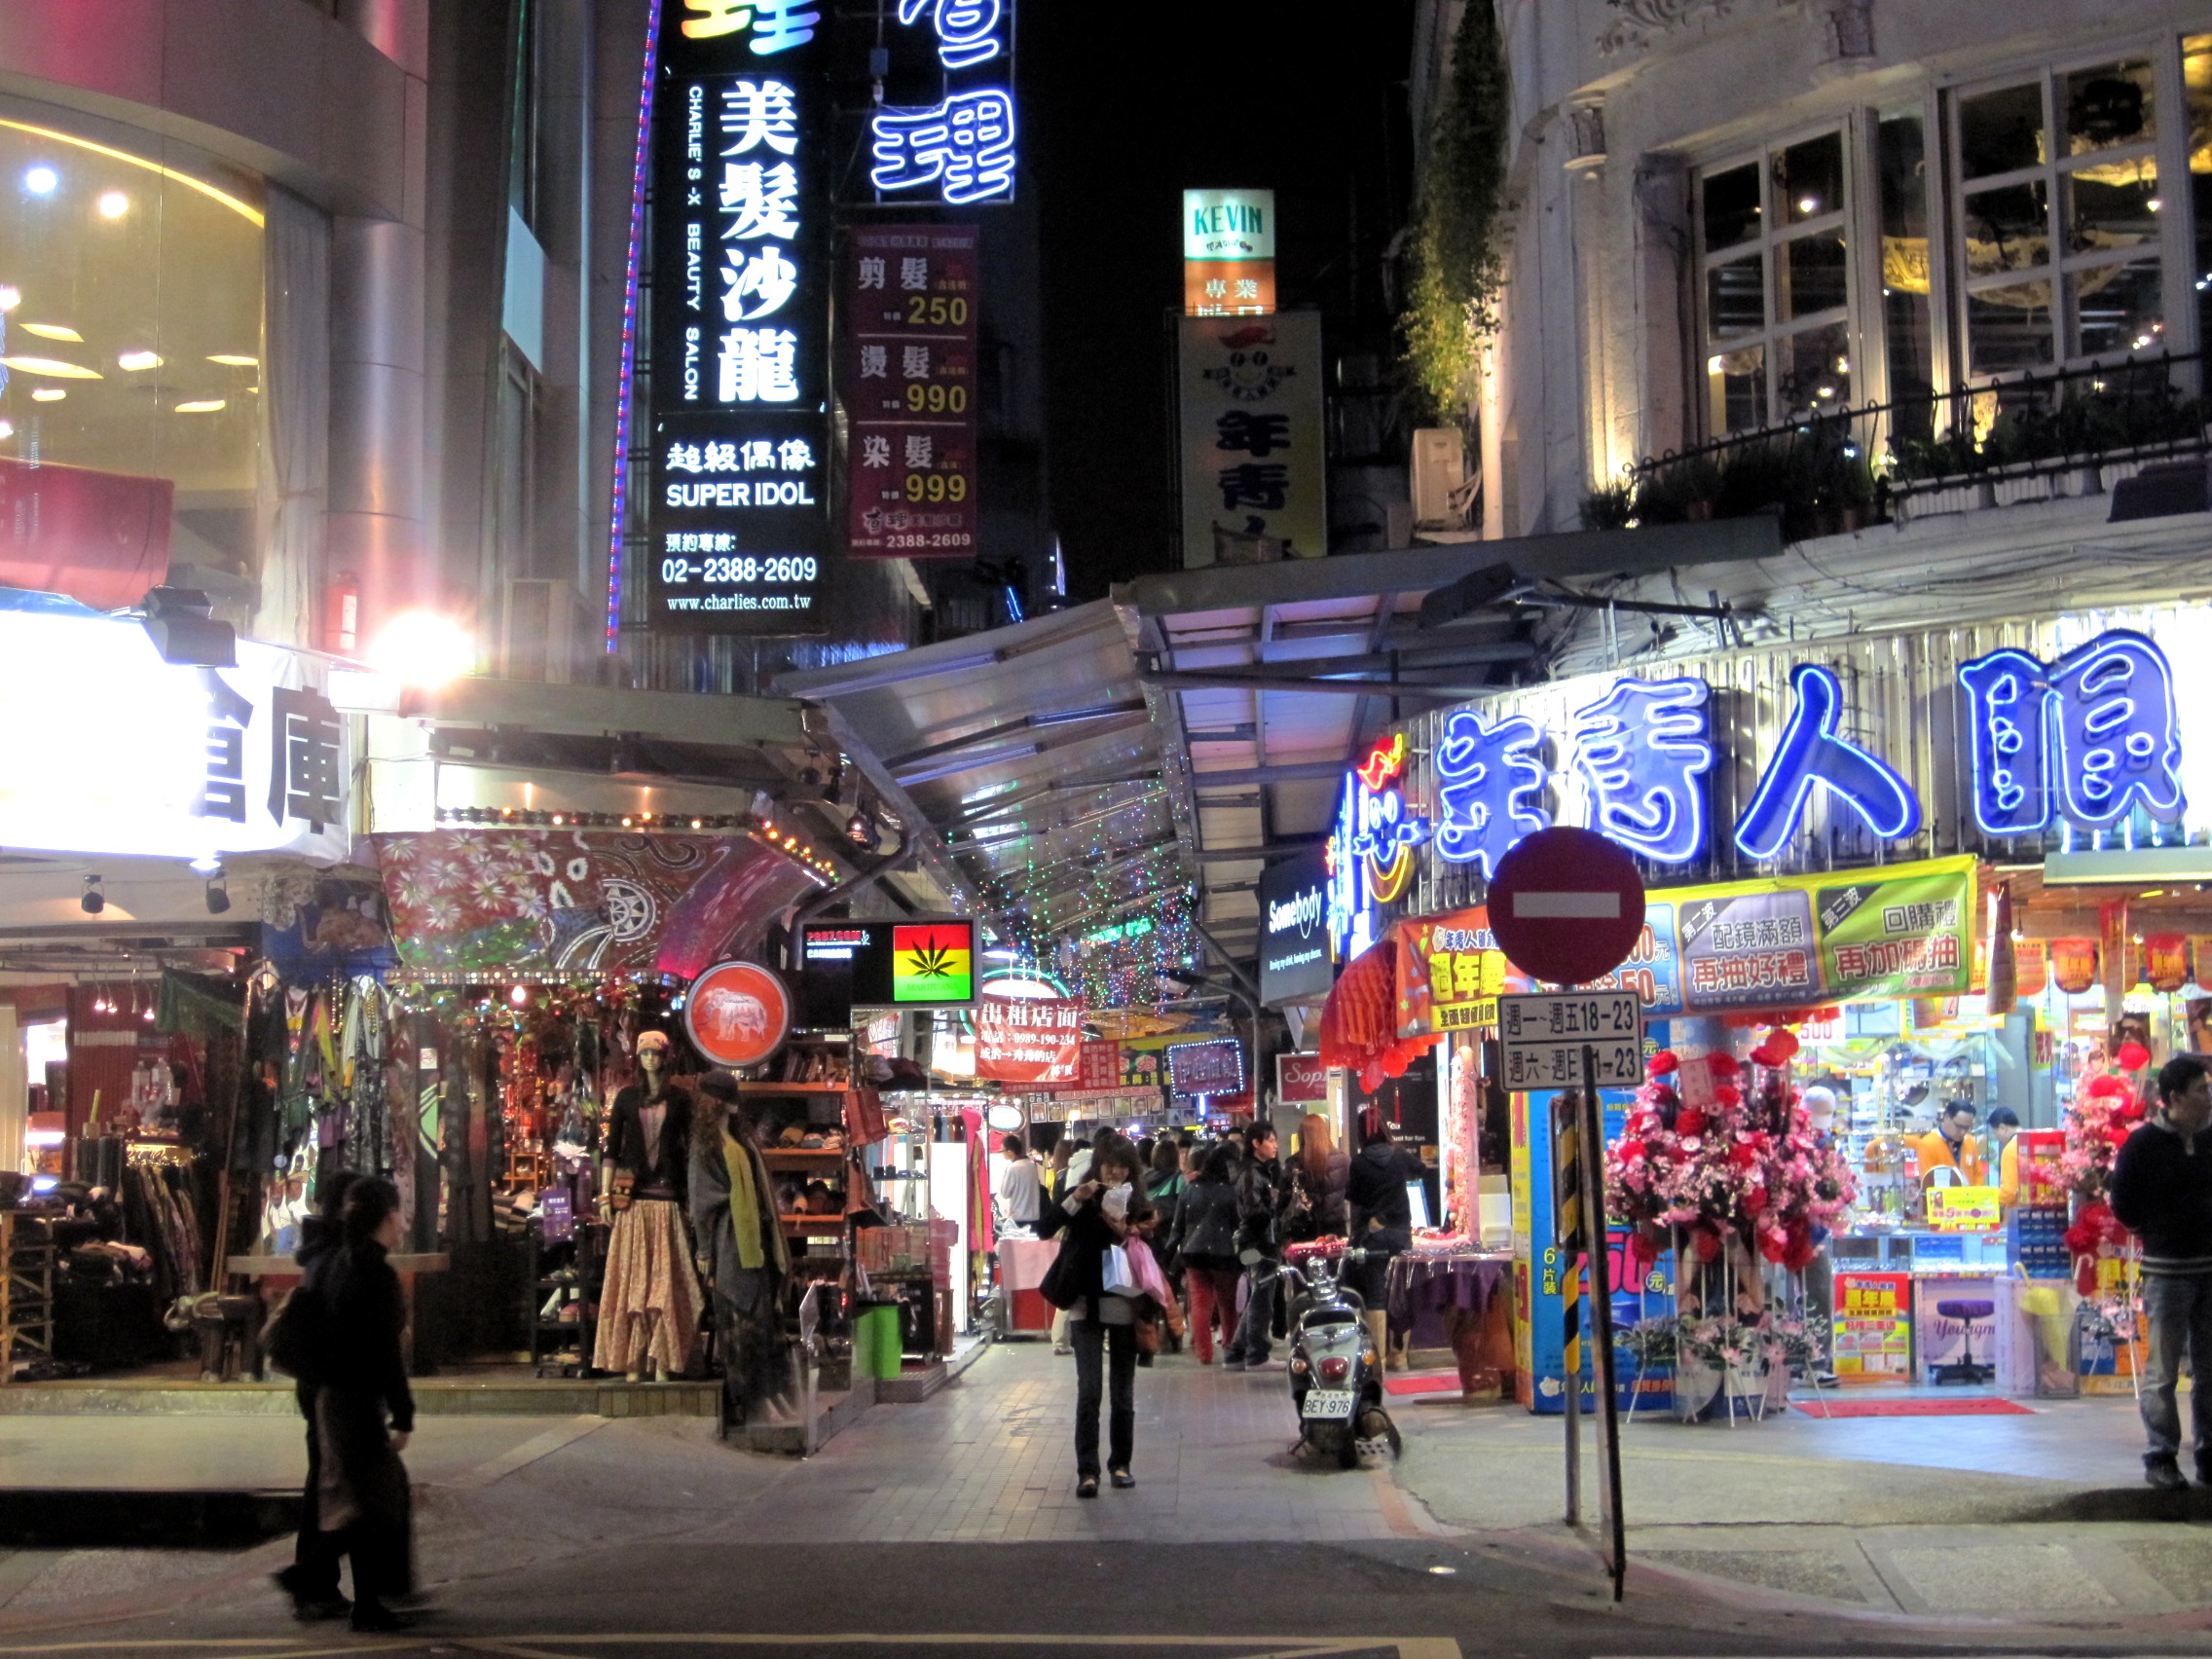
(1370, 858)
(1488, 779)
(1811, 753)
(2086, 738)
(1645, 748)
(961, 149)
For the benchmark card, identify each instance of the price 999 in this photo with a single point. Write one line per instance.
(935, 487)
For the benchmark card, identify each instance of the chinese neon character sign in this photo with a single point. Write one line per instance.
(2087, 738)
(1371, 851)
(1645, 748)
(1488, 779)
(1811, 753)
(961, 149)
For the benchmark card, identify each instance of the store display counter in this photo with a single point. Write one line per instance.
(1458, 1299)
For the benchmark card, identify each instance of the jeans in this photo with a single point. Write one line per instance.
(1213, 1295)
(1252, 1340)
(1093, 1342)
(2177, 1310)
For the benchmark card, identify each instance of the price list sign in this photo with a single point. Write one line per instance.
(909, 389)
(1542, 1036)
(738, 425)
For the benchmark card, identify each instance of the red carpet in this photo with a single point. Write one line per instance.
(1956, 1406)
(1424, 1383)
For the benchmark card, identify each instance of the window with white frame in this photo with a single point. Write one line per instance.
(1773, 248)
(2058, 206)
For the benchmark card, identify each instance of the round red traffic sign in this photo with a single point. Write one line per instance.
(1567, 905)
(737, 1013)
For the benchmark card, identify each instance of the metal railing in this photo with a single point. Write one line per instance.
(1836, 469)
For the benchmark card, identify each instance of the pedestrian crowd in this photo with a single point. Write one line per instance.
(1178, 1241)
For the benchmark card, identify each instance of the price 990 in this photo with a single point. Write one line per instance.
(935, 487)
(937, 399)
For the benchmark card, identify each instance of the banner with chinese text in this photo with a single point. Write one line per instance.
(909, 389)
(1029, 1040)
(1254, 470)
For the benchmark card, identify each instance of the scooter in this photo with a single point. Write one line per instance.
(1335, 1369)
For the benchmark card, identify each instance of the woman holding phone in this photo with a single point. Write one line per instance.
(1094, 1217)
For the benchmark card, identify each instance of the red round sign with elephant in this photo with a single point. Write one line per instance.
(737, 1013)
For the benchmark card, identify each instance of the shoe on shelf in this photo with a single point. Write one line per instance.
(1121, 1479)
(1088, 1487)
(2165, 1474)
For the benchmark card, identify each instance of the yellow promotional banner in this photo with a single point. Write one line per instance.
(1965, 1209)
(1451, 973)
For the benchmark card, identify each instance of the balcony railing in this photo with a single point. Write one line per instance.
(1835, 469)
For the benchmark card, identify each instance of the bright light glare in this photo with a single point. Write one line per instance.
(11, 296)
(53, 368)
(235, 361)
(53, 331)
(42, 181)
(48, 394)
(422, 649)
(113, 203)
(139, 360)
(203, 406)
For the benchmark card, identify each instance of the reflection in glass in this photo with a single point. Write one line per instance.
(1812, 275)
(2002, 131)
(2007, 229)
(2196, 79)
(2118, 308)
(2102, 216)
(1906, 326)
(1816, 369)
(1808, 178)
(1736, 389)
(1735, 299)
(2010, 328)
(2107, 107)
(1731, 205)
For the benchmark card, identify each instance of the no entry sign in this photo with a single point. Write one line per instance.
(1567, 905)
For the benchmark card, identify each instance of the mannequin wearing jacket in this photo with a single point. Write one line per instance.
(648, 1309)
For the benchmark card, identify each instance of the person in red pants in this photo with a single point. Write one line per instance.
(1205, 1247)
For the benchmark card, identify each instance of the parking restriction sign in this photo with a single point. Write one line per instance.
(1542, 1035)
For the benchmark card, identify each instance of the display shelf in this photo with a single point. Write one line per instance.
(26, 1290)
(802, 1155)
(794, 1088)
(814, 1226)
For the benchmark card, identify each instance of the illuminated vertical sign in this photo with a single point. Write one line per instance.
(945, 129)
(739, 430)
(1254, 463)
(1229, 252)
(908, 315)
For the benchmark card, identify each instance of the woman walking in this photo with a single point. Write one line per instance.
(1381, 1216)
(1101, 1326)
(364, 1410)
(1318, 1178)
(1205, 1241)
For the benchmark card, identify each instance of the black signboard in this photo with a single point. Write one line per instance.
(1294, 931)
(741, 280)
(924, 963)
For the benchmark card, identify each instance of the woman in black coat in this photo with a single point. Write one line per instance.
(364, 1409)
(1093, 1219)
(1381, 1214)
(1205, 1243)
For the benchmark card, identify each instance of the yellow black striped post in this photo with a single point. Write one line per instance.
(1567, 1209)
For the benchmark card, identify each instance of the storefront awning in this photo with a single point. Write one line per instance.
(1360, 1022)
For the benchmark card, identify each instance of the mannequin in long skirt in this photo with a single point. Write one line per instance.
(648, 1309)
(741, 1249)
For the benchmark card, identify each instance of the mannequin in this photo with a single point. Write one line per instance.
(648, 1309)
(741, 1249)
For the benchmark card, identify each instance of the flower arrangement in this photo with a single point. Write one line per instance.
(2103, 1114)
(1738, 1163)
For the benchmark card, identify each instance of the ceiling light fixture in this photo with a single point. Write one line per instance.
(203, 406)
(42, 181)
(235, 361)
(422, 649)
(11, 296)
(48, 394)
(52, 367)
(135, 361)
(53, 331)
(94, 900)
(218, 895)
(112, 204)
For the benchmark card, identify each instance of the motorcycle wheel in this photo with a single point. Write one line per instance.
(1347, 1449)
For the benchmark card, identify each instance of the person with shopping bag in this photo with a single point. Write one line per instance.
(1094, 1281)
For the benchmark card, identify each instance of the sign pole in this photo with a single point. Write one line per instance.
(1615, 1542)
(1568, 1231)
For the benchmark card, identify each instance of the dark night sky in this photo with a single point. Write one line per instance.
(1309, 104)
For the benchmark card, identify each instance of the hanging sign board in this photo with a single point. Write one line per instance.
(891, 964)
(1542, 1035)
(737, 1013)
(1032, 1040)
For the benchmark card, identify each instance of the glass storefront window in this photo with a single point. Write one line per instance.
(131, 340)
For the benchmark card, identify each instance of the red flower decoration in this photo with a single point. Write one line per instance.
(1663, 1062)
(2106, 1086)
(2132, 1057)
(1765, 1056)
(1724, 1065)
(1692, 1121)
(1708, 1244)
(1782, 1041)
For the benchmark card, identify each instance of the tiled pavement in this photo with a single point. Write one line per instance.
(992, 1460)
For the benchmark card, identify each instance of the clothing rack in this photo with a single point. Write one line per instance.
(26, 1291)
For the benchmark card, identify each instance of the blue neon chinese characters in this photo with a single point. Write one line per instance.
(1645, 748)
(1811, 753)
(1488, 780)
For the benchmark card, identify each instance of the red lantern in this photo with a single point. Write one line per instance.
(2074, 963)
(2132, 1057)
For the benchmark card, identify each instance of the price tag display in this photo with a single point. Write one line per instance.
(910, 391)
(1542, 1036)
(1965, 1209)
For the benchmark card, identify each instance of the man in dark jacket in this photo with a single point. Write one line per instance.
(312, 1580)
(1262, 1190)
(2162, 1191)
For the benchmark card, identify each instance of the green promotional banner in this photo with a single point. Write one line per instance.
(1898, 935)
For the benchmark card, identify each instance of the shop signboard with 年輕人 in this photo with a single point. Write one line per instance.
(112, 749)
(1032, 1040)
(738, 426)
(909, 392)
(1254, 462)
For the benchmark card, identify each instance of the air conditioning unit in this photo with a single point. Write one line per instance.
(539, 630)
(1440, 470)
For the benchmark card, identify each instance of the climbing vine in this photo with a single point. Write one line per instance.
(1456, 264)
